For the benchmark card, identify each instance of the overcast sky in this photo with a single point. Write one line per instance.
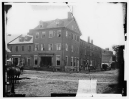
(103, 22)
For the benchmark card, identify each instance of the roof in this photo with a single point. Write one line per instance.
(11, 37)
(57, 23)
(23, 39)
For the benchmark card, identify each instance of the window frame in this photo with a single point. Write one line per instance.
(29, 48)
(37, 46)
(71, 48)
(36, 35)
(50, 48)
(16, 49)
(66, 47)
(66, 33)
(57, 59)
(50, 34)
(43, 33)
(66, 57)
(58, 33)
(22, 48)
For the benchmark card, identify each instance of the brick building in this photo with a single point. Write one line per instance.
(51, 44)
(90, 54)
(21, 50)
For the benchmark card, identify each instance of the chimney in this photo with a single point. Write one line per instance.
(88, 39)
(70, 16)
(91, 41)
(107, 49)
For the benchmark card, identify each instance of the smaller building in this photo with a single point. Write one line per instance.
(107, 56)
(21, 50)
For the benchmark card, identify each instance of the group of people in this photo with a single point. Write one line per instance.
(86, 66)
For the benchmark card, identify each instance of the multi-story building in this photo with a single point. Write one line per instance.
(90, 54)
(21, 50)
(53, 43)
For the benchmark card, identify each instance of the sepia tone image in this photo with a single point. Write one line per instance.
(63, 49)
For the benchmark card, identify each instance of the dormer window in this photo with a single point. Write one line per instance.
(57, 22)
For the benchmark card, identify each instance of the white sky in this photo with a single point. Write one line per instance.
(103, 22)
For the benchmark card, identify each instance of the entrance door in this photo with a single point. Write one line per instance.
(28, 60)
(15, 61)
(46, 61)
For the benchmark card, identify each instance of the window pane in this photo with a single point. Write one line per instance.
(37, 35)
(43, 34)
(50, 34)
(58, 33)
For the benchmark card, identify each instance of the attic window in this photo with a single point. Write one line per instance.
(57, 22)
(40, 26)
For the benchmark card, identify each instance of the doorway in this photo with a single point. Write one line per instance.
(15, 61)
(46, 61)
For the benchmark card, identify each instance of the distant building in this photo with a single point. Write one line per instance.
(107, 56)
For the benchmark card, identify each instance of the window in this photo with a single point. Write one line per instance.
(16, 48)
(50, 34)
(42, 47)
(10, 48)
(50, 47)
(58, 46)
(36, 46)
(43, 34)
(58, 33)
(29, 48)
(75, 61)
(71, 35)
(22, 48)
(35, 59)
(66, 33)
(58, 60)
(66, 47)
(66, 60)
(72, 48)
(72, 27)
(71, 61)
(75, 38)
(37, 35)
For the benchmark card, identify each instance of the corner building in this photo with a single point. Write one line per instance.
(56, 43)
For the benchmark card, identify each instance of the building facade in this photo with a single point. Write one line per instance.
(90, 55)
(55, 44)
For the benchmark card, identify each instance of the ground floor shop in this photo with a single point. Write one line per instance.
(48, 60)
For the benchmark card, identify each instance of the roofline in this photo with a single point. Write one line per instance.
(14, 39)
(47, 28)
(77, 25)
(20, 43)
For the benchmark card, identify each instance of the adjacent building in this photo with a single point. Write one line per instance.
(107, 56)
(90, 54)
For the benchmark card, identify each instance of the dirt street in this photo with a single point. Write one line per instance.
(43, 83)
